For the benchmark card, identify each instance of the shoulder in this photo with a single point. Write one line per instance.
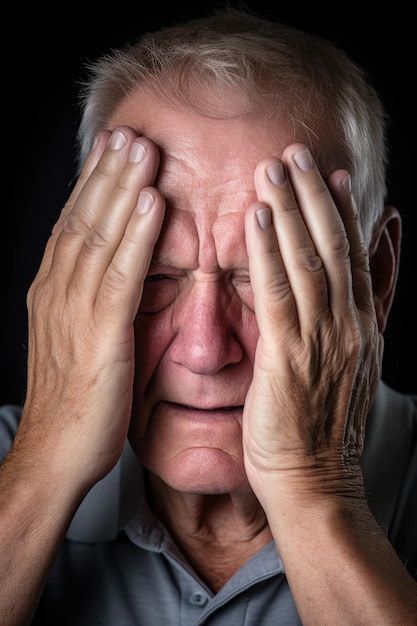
(391, 427)
(389, 465)
(9, 421)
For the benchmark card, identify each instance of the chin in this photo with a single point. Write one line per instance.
(203, 471)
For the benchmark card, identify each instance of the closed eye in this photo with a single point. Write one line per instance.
(152, 277)
(243, 287)
(159, 291)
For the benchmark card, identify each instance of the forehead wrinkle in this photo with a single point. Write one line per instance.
(190, 242)
(177, 244)
(229, 235)
(185, 140)
(203, 192)
(184, 166)
(207, 218)
(221, 242)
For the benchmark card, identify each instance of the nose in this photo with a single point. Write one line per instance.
(207, 329)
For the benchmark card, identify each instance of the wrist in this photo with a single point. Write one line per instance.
(307, 482)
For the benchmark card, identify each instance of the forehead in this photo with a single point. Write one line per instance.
(213, 150)
(206, 173)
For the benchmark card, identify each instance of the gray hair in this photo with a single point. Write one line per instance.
(277, 69)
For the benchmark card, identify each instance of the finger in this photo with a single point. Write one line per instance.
(325, 225)
(275, 305)
(303, 266)
(121, 288)
(98, 147)
(340, 185)
(95, 226)
(89, 165)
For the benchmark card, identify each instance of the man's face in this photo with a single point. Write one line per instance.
(196, 331)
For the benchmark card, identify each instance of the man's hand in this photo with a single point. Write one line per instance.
(317, 365)
(319, 353)
(82, 306)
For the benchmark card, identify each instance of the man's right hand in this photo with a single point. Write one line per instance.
(82, 305)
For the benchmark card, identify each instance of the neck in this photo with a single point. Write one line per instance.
(216, 533)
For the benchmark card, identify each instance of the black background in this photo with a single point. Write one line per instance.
(39, 75)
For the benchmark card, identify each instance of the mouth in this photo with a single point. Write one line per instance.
(190, 416)
(214, 409)
(222, 410)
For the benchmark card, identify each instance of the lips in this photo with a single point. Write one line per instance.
(214, 409)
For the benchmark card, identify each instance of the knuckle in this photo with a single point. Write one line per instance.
(32, 293)
(105, 168)
(97, 238)
(123, 187)
(38, 295)
(115, 279)
(74, 225)
(340, 245)
(307, 258)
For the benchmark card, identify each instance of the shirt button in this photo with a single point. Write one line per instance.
(198, 598)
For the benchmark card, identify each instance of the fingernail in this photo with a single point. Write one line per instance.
(276, 173)
(117, 140)
(264, 218)
(304, 160)
(137, 152)
(145, 202)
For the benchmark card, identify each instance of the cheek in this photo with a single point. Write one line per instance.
(152, 338)
(249, 334)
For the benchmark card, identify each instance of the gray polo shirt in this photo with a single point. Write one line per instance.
(119, 566)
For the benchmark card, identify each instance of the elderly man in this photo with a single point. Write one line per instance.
(205, 437)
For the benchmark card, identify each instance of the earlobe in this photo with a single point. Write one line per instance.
(384, 253)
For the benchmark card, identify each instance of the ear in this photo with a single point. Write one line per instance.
(384, 254)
